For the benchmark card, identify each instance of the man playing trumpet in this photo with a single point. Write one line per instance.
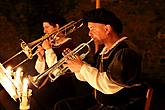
(116, 74)
(50, 25)
(49, 92)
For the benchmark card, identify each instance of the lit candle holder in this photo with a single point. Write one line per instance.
(9, 71)
(18, 80)
(18, 73)
(18, 77)
(25, 87)
(24, 105)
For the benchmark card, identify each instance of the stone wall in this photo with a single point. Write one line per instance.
(143, 24)
(143, 20)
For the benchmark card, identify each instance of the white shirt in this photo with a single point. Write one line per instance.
(99, 80)
(50, 60)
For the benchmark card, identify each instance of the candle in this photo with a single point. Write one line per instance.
(18, 81)
(18, 78)
(25, 87)
(18, 74)
(24, 105)
(9, 71)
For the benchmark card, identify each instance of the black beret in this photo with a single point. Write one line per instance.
(53, 19)
(101, 15)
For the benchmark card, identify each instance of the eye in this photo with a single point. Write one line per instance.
(91, 28)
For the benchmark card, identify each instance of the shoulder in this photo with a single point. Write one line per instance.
(125, 65)
(127, 49)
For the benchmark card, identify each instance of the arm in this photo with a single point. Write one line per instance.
(125, 67)
(51, 57)
(122, 72)
(40, 66)
(40, 63)
(96, 79)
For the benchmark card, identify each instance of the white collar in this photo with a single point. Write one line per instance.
(105, 50)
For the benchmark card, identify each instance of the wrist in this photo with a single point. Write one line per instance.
(40, 59)
(47, 48)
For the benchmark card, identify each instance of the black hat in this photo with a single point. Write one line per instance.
(101, 15)
(53, 19)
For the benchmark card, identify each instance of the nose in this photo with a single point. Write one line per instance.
(90, 33)
(45, 31)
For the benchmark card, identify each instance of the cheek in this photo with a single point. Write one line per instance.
(50, 30)
(98, 33)
(95, 33)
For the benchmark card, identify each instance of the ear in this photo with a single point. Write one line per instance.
(108, 28)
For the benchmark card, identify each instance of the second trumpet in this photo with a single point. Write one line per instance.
(58, 69)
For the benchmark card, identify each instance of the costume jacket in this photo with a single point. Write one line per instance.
(116, 76)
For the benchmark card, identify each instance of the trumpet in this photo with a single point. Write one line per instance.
(28, 48)
(58, 67)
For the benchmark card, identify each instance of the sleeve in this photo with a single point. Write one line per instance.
(40, 66)
(97, 80)
(125, 67)
(51, 57)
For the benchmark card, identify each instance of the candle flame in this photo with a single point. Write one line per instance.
(25, 81)
(19, 70)
(9, 69)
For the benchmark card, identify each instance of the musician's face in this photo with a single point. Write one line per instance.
(97, 31)
(47, 28)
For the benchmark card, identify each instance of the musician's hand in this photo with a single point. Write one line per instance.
(40, 52)
(46, 44)
(74, 63)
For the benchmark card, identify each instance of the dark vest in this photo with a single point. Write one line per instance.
(124, 95)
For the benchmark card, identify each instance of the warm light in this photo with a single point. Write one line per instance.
(25, 81)
(9, 70)
(25, 86)
(7, 83)
(24, 105)
(18, 70)
(18, 74)
(18, 77)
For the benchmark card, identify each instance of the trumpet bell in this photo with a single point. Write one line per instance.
(33, 80)
(36, 83)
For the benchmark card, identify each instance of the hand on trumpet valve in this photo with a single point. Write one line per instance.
(67, 53)
(73, 62)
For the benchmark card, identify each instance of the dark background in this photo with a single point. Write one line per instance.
(143, 20)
